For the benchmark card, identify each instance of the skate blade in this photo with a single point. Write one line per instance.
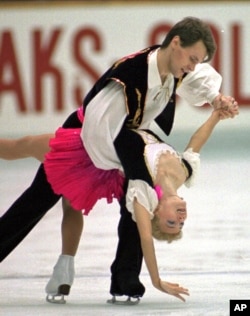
(58, 298)
(130, 301)
(55, 299)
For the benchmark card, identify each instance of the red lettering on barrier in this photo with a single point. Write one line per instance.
(10, 79)
(237, 67)
(43, 65)
(158, 33)
(216, 61)
(44, 47)
(84, 61)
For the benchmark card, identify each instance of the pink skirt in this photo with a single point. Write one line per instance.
(72, 174)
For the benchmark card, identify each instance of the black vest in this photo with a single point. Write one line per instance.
(132, 73)
(130, 148)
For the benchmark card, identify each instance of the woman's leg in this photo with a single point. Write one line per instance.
(32, 205)
(72, 226)
(35, 146)
(64, 270)
(72, 222)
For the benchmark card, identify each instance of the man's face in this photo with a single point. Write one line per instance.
(184, 59)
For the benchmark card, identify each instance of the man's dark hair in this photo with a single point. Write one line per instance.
(191, 30)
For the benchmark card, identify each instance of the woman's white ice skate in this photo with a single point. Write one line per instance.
(61, 280)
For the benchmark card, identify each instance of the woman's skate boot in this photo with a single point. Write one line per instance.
(61, 280)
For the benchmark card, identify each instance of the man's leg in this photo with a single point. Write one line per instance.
(126, 267)
(25, 213)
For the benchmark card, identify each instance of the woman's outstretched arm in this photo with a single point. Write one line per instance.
(143, 222)
(202, 134)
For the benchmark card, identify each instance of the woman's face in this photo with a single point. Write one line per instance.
(172, 214)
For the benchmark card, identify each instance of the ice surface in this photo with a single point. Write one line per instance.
(212, 259)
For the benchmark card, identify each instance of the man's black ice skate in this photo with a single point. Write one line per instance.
(128, 285)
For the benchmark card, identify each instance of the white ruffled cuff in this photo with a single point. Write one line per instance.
(144, 194)
(194, 160)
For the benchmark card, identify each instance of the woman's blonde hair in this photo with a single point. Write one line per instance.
(159, 235)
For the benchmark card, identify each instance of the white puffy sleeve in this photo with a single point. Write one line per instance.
(201, 85)
(144, 194)
(194, 160)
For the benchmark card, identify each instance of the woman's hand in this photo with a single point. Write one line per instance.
(227, 105)
(172, 289)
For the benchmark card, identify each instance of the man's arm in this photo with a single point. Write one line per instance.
(227, 104)
(203, 86)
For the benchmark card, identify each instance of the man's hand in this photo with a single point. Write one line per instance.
(228, 106)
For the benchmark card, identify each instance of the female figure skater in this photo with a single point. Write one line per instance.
(154, 177)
